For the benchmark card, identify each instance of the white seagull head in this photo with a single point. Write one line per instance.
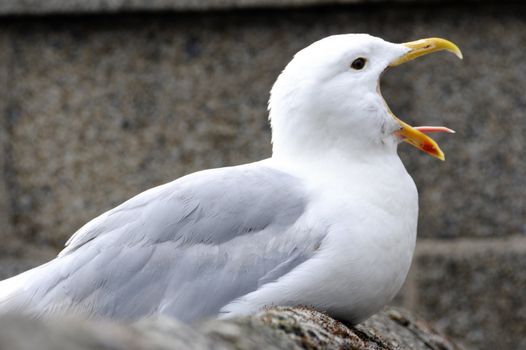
(328, 99)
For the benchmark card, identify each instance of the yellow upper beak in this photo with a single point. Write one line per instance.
(424, 47)
(419, 48)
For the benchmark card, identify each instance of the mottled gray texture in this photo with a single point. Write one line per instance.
(475, 294)
(101, 111)
(142, 113)
(6, 229)
(37, 7)
(281, 328)
(10, 266)
(404, 331)
(187, 249)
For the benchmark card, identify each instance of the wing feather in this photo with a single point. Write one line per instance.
(186, 249)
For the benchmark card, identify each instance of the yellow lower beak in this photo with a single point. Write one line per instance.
(420, 140)
(408, 133)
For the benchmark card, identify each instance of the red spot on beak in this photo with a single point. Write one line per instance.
(429, 148)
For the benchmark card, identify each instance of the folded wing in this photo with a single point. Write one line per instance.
(184, 249)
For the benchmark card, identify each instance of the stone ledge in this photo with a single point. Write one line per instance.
(469, 246)
(38, 7)
(276, 328)
(476, 284)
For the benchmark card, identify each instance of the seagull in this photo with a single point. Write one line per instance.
(328, 221)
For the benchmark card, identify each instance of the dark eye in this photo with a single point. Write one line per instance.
(358, 63)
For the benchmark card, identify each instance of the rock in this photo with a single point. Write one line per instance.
(275, 328)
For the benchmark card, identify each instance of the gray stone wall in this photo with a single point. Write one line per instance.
(38, 7)
(6, 229)
(95, 109)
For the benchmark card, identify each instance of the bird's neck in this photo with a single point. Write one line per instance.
(302, 135)
(316, 150)
(342, 168)
(308, 145)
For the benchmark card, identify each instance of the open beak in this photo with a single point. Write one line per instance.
(416, 135)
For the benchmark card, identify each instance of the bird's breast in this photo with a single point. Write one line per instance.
(370, 244)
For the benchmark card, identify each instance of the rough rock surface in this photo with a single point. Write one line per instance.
(276, 328)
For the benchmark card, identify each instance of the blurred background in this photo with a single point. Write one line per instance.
(102, 99)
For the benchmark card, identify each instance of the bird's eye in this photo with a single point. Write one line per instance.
(358, 63)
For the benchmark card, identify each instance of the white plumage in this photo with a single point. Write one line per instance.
(328, 221)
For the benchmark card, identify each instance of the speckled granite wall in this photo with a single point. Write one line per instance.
(98, 108)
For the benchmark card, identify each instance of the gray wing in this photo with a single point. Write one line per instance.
(185, 249)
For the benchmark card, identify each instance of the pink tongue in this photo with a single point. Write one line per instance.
(428, 129)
